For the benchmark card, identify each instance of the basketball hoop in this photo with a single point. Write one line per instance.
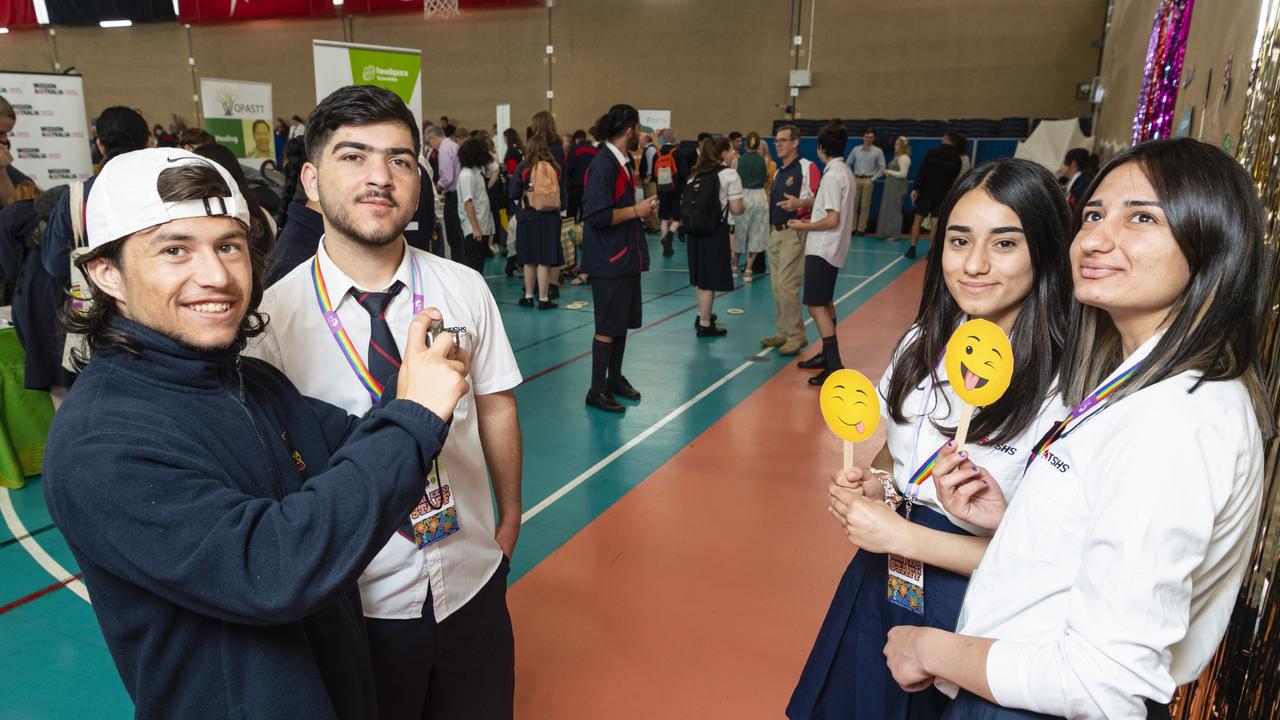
(443, 8)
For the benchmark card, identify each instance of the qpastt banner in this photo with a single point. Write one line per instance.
(340, 64)
(237, 113)
(49, 142)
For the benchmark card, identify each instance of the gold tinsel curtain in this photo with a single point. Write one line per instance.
(1242, 681)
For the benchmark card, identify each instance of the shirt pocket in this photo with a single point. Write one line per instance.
(1050, 498)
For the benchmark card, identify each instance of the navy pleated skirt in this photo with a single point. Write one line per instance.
(846, 675)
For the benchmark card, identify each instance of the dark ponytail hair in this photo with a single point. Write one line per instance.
(615, 122)
(1039, 332)
(709, 152)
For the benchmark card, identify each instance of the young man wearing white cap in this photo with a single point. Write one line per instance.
(434, 597)
(220, 518)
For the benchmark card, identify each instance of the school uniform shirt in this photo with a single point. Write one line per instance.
(835, 192)
(608, 250)
(298, 342)
(1115, 569)
(730, 190)
(799, 178)
(913, 442)
(473, 186)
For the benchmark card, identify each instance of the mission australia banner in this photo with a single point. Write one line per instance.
(237, 113)
(50, 138)
(396, 69)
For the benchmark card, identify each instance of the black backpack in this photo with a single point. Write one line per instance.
(700, 211)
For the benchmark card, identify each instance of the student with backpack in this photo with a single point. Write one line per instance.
(613, 254)
(669, 182)
(713, 193)
(538, 242)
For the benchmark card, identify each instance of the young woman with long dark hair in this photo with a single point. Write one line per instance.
(1001, 256)
(1114, 571)
(710, 264)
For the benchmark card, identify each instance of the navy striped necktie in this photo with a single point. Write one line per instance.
(383, 359)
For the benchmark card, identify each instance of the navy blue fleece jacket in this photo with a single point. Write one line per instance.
(221, 520)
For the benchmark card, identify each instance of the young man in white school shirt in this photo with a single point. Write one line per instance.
(826, 247)
(435, 596)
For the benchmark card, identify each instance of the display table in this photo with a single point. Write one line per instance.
(24, 417)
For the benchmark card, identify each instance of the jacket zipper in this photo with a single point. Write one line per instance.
(262, 444)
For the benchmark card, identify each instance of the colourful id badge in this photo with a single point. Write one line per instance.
(436, 516)
(906, 583)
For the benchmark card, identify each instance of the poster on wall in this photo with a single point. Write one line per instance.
(655, 119)
(340, 64)
(49, 142)
(237, 113)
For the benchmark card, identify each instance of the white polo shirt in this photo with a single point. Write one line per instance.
(473, 186)
(1114, 572)
(298, 342)
(730, 189)
(835, 192)
(913, 442)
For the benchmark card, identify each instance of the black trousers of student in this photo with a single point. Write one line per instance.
(453, 228)
(475, 251)
(462, 667)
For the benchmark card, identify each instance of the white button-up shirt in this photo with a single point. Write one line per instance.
(835, 192)
(298, 342)
(1113, 574)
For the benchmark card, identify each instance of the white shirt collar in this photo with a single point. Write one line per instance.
(338, 283)
(617, 154)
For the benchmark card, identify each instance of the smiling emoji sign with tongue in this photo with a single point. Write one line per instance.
(979, 362)
(850, 405)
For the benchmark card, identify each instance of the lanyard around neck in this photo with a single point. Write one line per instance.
(339, 333)
(1095, 400)
(925, 470)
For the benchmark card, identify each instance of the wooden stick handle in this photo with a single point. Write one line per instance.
(962, 431)
(848, 455)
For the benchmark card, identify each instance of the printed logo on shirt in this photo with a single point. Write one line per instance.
(1006, 449)
(1056, 462)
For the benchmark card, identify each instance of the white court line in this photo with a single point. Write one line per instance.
(33, 548)
(590, 472)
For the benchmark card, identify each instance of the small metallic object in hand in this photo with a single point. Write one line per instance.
(891, 496)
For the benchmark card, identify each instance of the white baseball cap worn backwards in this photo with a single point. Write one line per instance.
(124, 198)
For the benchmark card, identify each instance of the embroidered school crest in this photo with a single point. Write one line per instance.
(791, 181)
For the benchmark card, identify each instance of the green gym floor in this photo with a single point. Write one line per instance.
(622, 514)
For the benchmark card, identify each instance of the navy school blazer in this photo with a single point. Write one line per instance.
(610, 251)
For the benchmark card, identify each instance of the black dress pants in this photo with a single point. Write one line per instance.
(453, 228)
(462, 667)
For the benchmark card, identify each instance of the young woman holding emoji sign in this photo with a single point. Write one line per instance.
(1001, 257)
(1114, 572)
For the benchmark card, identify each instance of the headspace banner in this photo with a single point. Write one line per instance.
(237, 113)
(50, 138)
(396, 69)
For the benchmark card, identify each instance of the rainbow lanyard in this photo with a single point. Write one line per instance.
(1098, 397)
(925, 471)
(340, 336)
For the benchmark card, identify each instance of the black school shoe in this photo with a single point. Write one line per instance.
(602, 400)
(667, 250)
(817, 362)
(622, 388)
(711, 330)
(547, 304)
(697, 321)
(511, 266)
(910, 254)
(821, 377)
(525, 302)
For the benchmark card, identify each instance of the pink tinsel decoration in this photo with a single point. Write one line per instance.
(1162, 73)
